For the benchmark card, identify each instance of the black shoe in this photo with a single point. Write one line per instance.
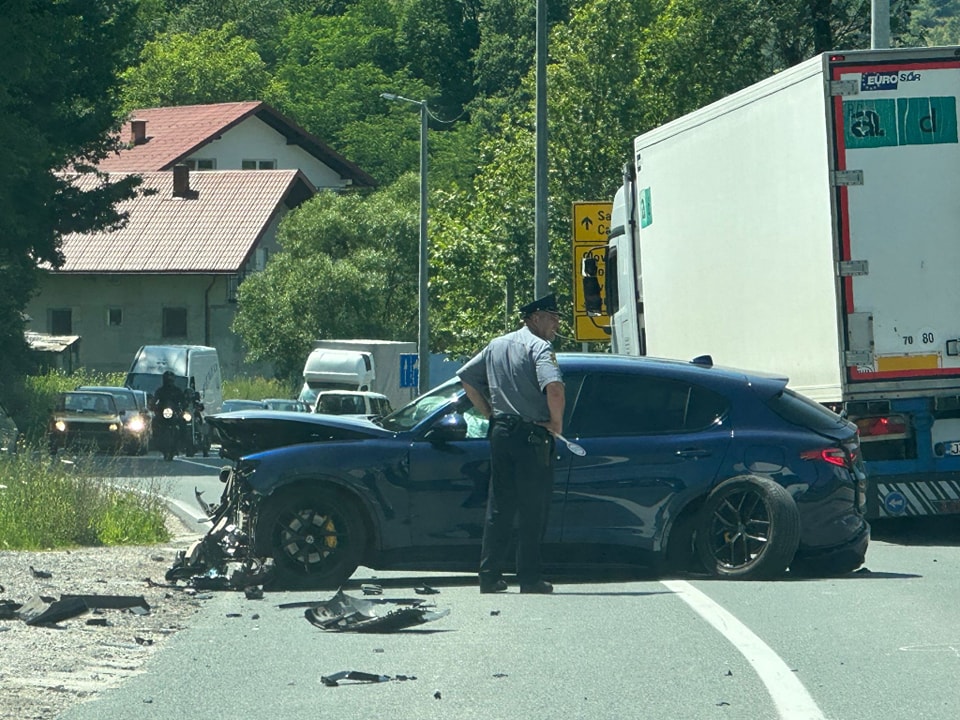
(539, 588)
(494, 587)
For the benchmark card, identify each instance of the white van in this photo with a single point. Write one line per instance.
(191, 364)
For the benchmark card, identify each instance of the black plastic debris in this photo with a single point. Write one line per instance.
(360, 677)
(9, 610)
(254, 592)
(346, 613)
(41, 574)
(426, 590)
(371, 589)
(437, 695)
(98, 621)
(37, 611)
(42, 610)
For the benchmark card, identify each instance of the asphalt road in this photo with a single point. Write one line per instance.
(881, 643)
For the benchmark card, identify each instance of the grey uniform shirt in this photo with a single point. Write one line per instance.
(512, 372)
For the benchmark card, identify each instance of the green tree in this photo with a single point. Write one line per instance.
(347, 268)
(213, 65)
(58, 101)
(935, 22)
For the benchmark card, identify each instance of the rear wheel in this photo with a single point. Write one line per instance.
(315, 537)
(749, 528)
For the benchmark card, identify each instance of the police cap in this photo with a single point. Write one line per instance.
(548, 303)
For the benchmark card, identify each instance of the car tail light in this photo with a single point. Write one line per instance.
(833, 455)
(881, 426)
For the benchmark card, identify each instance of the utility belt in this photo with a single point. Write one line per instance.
(515, 423)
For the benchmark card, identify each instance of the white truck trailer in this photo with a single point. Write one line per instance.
(809, 225)
(382, 366)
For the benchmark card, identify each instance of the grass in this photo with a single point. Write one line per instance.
(46, 503)
(257, 388)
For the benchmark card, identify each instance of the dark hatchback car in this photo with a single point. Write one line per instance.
(687, 467)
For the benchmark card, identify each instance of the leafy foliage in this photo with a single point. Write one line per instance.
(348, 268)
(214, 65)
(58, 101)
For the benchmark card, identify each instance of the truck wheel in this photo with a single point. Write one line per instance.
(315, 537)
(749, 528)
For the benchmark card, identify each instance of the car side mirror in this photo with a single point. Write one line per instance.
(450, 428)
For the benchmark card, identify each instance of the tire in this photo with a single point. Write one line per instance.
(315, 536)
(749, 529)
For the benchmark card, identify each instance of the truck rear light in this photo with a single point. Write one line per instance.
(833, 455)
(880, 426)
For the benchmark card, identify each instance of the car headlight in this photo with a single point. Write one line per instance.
(187, 417)
(168, 413)
(113, 427)
(136, 425)
(60, 425)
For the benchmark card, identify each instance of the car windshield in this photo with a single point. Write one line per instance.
(87, 403)
(413, 414)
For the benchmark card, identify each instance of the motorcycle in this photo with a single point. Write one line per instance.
(168, 429)
(195, 433)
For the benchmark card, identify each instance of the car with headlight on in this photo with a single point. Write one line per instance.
(687, 468)
(137, 420)
(85, 421)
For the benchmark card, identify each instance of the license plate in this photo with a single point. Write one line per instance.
(951, 447)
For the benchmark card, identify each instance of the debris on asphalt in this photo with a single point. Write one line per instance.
(360, 677)
(426, 590)
(43, 610)
(346, 613)
(41, 574)
(371, 589)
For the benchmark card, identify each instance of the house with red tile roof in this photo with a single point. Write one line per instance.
(223, 177)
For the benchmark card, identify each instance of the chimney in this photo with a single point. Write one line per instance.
(138, 132)
(181, 182)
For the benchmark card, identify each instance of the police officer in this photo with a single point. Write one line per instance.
(516, 383)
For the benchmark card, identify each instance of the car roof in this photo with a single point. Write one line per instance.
(104, 388)
(701, 371)
(361, 393)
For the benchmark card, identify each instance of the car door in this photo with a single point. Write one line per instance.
(448, 488)
(651, 442)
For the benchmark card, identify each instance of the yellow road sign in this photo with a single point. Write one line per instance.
(591, 221)
(591, 225)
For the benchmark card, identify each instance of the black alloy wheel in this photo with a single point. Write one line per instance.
(749, 529)
(315, 537)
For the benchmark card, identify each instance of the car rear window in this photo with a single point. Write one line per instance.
(800, 410)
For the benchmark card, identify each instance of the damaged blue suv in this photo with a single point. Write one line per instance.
(688, 468)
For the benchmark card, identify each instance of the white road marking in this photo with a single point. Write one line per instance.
(790, 697)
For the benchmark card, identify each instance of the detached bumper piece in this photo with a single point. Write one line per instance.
(346, 613)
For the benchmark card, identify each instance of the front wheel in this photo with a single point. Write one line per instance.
(749, 529)
(315, 537)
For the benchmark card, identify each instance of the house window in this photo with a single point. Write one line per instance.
(61, 321)
(233, 282)
(258, 164)
(114, 317)
(174, 322)
(201, 164)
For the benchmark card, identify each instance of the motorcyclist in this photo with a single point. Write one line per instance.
(169, 432)
(168, 394)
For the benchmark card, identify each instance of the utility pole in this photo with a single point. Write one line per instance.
(541, 279)
(423, 324)
(879, 24)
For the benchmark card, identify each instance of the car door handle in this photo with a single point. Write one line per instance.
(693, 453)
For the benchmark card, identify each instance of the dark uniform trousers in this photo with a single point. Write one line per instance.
(521, 485)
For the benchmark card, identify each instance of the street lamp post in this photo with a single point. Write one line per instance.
(423, 337)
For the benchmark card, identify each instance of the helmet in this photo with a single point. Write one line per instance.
(168, 376)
